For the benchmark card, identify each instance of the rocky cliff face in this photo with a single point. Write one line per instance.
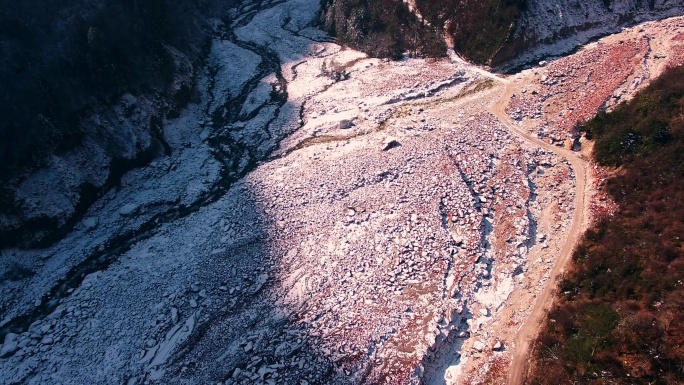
(552, 27)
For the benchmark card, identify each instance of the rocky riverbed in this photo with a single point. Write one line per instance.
(322, 217)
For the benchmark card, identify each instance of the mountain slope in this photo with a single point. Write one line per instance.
(498, 33)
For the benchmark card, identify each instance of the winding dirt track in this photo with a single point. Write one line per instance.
(530, 329)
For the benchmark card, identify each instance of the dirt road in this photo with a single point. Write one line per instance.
(530, 329)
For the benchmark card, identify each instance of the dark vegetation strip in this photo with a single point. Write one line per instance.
(478, 29)
(619, 318)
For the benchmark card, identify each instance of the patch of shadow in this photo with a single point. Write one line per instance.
(17, 273)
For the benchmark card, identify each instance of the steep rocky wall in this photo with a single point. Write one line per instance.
(84, 98)
(45, 201)
(553, 27)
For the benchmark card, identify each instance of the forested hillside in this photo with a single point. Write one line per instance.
(618, 319)
(477, 28)
(500, 33)
(382, 28)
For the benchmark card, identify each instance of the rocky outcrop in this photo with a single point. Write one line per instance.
(46, 200)
(84, 100)
(475, 29)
